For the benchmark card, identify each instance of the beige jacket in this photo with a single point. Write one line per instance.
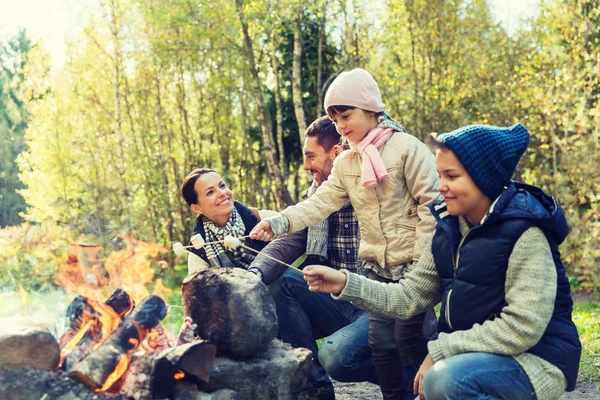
(395, 223)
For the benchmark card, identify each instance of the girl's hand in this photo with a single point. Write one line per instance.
(324, 279)
(262, 231)
(418, 384)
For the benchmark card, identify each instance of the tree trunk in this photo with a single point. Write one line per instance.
(279, 118)
(282, 194)
(320, 44)
(297, 75)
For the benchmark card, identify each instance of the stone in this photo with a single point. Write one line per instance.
(187, 391)
(280, 373)
(232, 309)
(25, 342)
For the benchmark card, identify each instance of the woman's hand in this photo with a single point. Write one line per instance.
(262, 231)
(324, 279)
(418, 384)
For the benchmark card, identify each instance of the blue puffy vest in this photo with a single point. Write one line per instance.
(250, 221)
(473, 270)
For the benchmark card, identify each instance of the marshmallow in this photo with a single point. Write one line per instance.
(231, 242)
(197, 241)
(178, 248)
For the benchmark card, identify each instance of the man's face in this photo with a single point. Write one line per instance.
(317, 160)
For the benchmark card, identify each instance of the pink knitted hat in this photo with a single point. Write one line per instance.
(355, 88)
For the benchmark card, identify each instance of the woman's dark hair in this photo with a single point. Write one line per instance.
(435, 144)
(187, 188)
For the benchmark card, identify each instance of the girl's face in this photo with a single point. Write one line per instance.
(354, 124)
(461, 194)
(215, 199)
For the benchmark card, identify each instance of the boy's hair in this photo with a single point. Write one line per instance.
(435, 144)
(324, 130)
(187, 188)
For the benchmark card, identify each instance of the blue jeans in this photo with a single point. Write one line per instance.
(305, 316)
(477, 376)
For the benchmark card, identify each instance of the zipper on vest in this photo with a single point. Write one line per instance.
(448, 309)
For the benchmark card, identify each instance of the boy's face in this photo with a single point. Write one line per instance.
(461, 194)
(215, 199)
(354, 124)
(317, 160)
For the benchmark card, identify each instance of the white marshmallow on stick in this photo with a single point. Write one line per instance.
(231, 242)
(197, 241)
(178, 248)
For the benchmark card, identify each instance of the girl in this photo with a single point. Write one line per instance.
(219, 215)
(389, 177)
(505, 324)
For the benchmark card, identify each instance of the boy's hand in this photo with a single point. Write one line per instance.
(418, 384)
(324, 279)
(262, 231)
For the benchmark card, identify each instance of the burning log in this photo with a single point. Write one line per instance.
(153, 375)
(105, 320)
(78, 313)
(101, 368)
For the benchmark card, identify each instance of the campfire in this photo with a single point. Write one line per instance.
(113, 343)
(120, 347)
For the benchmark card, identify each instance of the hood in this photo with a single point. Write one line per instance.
(520, 200)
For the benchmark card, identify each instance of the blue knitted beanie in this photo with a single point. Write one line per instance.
(490, 154)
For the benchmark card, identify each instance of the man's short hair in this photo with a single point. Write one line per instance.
(324, 130)
(187, 188)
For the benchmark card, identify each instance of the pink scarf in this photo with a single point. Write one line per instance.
(373, 168)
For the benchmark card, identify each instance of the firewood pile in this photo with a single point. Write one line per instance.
(120, 347)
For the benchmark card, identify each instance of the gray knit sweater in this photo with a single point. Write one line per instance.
(530, 291)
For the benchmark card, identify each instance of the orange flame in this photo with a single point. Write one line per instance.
(179, 375)
(73, 342)
(87, 273)
(116, 374)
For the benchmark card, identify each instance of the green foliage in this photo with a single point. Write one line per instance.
(31, 254)
(586, 316)
(13, 122)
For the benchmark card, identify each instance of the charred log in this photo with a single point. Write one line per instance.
(78, 312)
(115, 307)
(112, 357)
(153, 375)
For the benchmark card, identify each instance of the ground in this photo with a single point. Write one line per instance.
(368, 391)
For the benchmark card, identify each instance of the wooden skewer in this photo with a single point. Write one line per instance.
(272, 258)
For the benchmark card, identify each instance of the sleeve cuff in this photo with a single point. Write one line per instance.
(436, 348)
(280, 225)
(352, 288)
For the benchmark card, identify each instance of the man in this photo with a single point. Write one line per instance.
(305, 316)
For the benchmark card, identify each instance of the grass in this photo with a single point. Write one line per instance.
(586, 315)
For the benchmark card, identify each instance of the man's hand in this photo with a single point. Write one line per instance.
(418, 384)
(324, 279)
(262, 231)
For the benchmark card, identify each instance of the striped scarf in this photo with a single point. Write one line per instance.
(218, 255)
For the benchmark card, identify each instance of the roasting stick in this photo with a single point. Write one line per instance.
(272, 258)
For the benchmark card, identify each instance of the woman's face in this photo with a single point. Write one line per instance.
(354, 124)
(461, 194)
(215, 199)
